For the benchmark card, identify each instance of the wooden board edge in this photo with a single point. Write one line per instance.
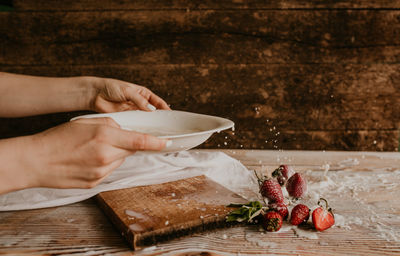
(110, 214)
(139, 241)
(193, 227)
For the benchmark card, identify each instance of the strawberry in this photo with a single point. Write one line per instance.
(272, 221)
(282, 174)
(300, 214)
(296, 186)
(280, 208)
(270, 189)
(322, 217)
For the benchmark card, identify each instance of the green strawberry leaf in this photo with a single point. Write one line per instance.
(249, 204)
(246, 212)
(256, 204)
(255, 214)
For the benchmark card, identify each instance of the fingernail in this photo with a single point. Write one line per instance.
(168, 144)
(151, 107)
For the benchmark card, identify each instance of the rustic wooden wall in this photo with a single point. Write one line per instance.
(291, 74)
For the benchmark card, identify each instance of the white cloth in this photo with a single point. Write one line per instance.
(139, 170)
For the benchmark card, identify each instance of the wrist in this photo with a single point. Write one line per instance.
(19, 164)
(92, 85)
(88, 90)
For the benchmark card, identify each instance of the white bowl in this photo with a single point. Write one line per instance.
(186, 130)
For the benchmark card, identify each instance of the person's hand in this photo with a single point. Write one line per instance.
(81, 153)
(111, 95)
(32, 95)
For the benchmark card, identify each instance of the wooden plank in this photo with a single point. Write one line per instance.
(289, 97)
(198, 4)
(193, 48)
(295, 99)
(148, 215)
(362, 115)
(315, 160)
(82, 229)
(199, 37)
(366, 140)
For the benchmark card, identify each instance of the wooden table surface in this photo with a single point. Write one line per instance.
(363, 187)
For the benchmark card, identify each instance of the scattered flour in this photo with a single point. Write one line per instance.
(309, 234)
(285, 227)
(136, 215)
(350, 162)
(258, 238)
(149, 249)
(136, 227)
(358, 198)
(323, 243)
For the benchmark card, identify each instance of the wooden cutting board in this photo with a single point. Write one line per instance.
(149, 214)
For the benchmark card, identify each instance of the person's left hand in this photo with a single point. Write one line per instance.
(112, 95)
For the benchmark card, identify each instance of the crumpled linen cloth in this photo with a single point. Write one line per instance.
(143, 169)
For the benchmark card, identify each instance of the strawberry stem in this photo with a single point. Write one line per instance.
(326, 202)
(264, 200)
(259, 180)
(326, 205)
(277, 172)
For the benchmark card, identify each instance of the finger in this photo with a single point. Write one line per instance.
(158, 102)
(105, 106)
(146, 99)
(138, 97)
(106, 153)
(98, 120)
(133, 141)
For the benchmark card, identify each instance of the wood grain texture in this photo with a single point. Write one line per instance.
(263, 138)
(82, 229)
(200, 37)
(297, 97)
(324, 73)
(198, 4)
(148, 215)
(309, 105)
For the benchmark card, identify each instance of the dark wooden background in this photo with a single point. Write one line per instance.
(305, 74)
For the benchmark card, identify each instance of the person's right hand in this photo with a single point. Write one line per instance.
(81, 153)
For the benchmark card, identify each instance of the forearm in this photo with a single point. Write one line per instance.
(15, 164)
(22, 95)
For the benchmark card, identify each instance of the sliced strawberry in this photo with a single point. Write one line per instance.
(323, 217)
(272, 221)
(300, 214)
